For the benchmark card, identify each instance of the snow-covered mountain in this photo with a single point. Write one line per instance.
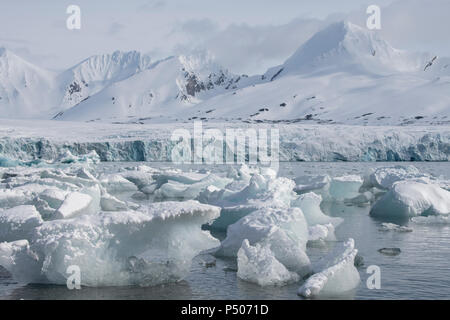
(165, 87)
(343, 74)
(26, 91)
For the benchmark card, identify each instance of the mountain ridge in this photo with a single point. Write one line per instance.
(333, 70)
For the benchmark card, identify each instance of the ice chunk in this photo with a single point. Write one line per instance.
(115, 183)
(147, 247)
(18, 223)
(285, 230)
(54, 197)
(306, 184)
(345, 187)
(338, 273)
(394, 227)
(321, 232)
(20, 261)
(412, 198)
(258, 264)
(75, 203)
(310, 205)
(11, 197)
(385, 177)
(180, 190)
(111, 203)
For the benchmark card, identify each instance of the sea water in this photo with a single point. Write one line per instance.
(420, 271)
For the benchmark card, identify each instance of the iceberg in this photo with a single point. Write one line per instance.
(412, 198)
(258, 264)
(337, 273)
(147, 247)
(285, 230)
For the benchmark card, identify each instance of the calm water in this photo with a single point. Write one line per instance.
(421, 271)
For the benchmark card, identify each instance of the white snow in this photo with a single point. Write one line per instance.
(412, 198)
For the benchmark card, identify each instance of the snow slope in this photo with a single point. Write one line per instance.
(343, 74)
(26, 91)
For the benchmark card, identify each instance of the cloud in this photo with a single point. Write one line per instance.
(414, 25)
(151, 5)
(115, 28)
(247, 49)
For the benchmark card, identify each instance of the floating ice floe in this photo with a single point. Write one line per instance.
(285, 230)
(412, 198)
(385, 177)
(147, 247)
(258, 264)
(306, 184)
(394, 227)
(337, 273)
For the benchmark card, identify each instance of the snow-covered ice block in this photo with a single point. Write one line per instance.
(111, 203)
(18, 223)
(115, 183)
(260, 224)
(147, 247)
(258, 264)
(412, 198)
(12, 197)
(180, 190)
(285, 230)
(306, 184)
(75, 203)
(337, 273)
(385, 177)
(310, 205)
(345, 187)
(54, 197)
(230, 215)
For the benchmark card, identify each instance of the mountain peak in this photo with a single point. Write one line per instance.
(344, 45)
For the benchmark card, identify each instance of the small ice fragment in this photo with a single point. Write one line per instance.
(394, 227)
(390, 251)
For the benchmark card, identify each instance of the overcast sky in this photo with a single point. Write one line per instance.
(247, 36)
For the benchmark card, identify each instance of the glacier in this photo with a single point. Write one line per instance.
(23, 141)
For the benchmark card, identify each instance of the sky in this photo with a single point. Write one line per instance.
(246, 36)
